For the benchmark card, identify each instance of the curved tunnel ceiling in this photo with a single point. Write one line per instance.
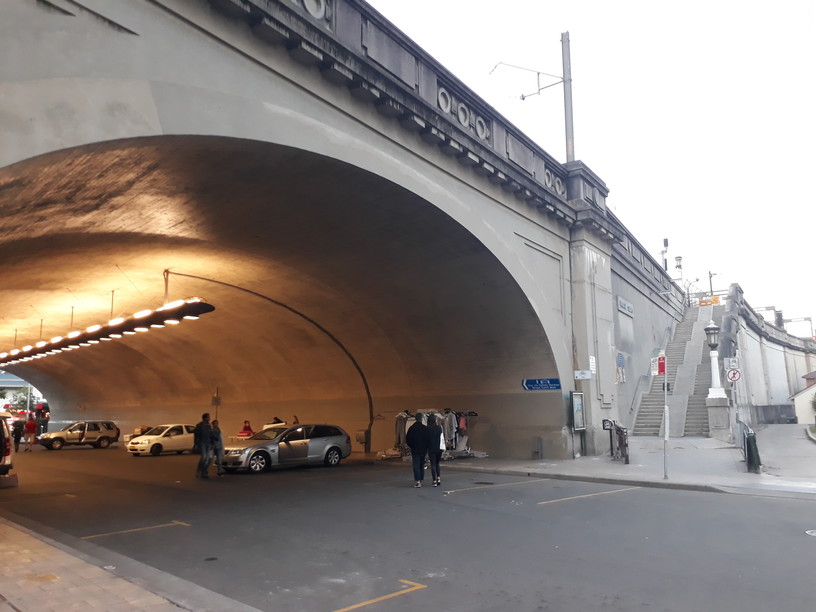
(422, 306)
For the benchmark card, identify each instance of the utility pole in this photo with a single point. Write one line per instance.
(565, 59)
(566, 79)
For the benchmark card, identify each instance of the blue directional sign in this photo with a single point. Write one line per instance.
(541, 384)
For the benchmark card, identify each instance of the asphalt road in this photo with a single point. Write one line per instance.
(360, 537)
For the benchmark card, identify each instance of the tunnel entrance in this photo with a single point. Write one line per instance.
(429, 316)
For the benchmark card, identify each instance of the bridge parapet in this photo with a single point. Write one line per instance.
(354, 46)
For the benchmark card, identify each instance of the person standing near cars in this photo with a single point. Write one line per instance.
(246, 432)
(436, 444)
(30, 429)
(218, 447)
(417, 439)
(17, 434)
(203, 443)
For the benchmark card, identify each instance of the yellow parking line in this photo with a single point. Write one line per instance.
(171, 524)
(415, 586)
(504, 484)
(553, 501)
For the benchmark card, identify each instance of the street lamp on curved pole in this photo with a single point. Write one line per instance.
(306, 318)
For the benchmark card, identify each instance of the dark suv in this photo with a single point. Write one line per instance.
(99, 434)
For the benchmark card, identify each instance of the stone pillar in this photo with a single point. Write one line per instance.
(719, 422)
(593, 334)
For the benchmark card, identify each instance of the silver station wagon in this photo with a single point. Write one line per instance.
(288, 446)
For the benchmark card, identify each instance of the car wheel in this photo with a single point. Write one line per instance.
(259, 462)
(103, 443)
(57, 443)
(333, 456)
(156, 450)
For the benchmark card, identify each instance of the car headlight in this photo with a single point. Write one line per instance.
(235, 451)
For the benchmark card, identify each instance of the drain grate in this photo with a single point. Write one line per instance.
(484, 483)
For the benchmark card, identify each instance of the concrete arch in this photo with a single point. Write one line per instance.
(431, 315)
(119, 161)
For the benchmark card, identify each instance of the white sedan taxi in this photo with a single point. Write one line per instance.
(174, 438)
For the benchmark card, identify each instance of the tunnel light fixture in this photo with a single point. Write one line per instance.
(142, 321)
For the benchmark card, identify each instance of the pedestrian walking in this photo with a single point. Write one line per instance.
(17, 434)
(218, 447)
(30, 433)
(203, 443)
(436, 445)
(417, 439)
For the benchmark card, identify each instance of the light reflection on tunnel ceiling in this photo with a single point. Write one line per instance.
(142, 321)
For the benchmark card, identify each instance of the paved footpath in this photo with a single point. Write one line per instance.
(48, 575)
(44, 577)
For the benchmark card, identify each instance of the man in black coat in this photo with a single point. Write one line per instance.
(202, 442)
(417, 439)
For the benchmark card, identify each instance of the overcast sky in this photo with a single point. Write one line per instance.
(699, 116)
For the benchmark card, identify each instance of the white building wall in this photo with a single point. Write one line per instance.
(803, 406)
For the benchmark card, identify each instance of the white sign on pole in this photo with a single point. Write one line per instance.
(666, 421)
(592, 367)
(654, 366)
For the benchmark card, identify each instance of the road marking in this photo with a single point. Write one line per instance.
(415, 586)
(553, 501)
(171, 524)
(504, 484)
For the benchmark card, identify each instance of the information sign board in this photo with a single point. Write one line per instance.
(541, 384)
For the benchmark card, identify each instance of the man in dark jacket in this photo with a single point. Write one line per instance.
(203, 443)
(417, 439)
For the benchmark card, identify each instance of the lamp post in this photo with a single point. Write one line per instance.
(712, 332)
(711, 275)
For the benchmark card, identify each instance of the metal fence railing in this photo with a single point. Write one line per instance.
(618, 440)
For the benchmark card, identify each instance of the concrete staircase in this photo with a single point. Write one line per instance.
(650, 413)
(696, 410)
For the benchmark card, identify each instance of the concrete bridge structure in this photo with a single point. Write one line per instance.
(373, 236)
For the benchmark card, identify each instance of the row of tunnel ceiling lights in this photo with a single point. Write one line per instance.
(172, 313)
